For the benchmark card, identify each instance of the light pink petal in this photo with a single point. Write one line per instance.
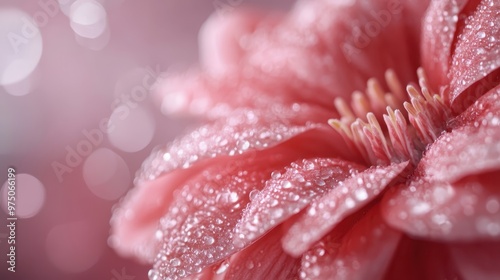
(472, 147)
(135, 218)
(246, 131)
(477, 55)
(364, 252)
(477, 260)
(345, 199)
(320, 50)
(438, 34)
(265, 259)
(325, 49)
(465, 210)
(221, 38)
(287, 194)
(198, 229)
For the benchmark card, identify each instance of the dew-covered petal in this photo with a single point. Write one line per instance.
(477, 260)
(476, 60)
(345, 199)
(198, 229)
(287, 194)
(242, 132)
(364, 252)
(135, 218)
(438, 33)
(473, 145)
(468, 209)
(265, 259)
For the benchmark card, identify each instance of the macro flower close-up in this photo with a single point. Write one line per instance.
(348, 139)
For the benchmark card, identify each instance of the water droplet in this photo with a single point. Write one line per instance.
(208, 240)
(287, 184)
(481, 34)
(222, 268)
(250, 264)
(175, 262)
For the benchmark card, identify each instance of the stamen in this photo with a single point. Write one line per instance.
(398, 140)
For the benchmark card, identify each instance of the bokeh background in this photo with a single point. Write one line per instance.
(67, 67)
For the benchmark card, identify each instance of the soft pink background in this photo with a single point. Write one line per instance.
(72, 90)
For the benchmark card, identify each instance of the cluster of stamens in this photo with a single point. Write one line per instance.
(395, 140)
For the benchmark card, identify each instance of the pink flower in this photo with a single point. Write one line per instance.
(404, 187)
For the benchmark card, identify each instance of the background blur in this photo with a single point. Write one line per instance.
(61, 78)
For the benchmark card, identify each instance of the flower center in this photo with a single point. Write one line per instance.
(391, 127)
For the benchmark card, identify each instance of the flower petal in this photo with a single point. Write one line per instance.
(287, 194)
(221, 38)
(465, 210)
(477, 260)
(475, 138)
(265, 259)
(242, 132)
(419, 259)
(477, 55)
(346, 198)
(197, 229)
(438, 33)
(319, 51)
(364, 252)
(135, 219)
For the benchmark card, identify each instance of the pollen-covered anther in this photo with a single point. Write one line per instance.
(398, 140)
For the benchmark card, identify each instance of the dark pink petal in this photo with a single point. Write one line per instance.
(246, 131)
(477, 55)
(287, 194)
(465, 210)
(419, 259)
(438, 34)
(345, 199)
(472, 147)
(477, 260)
(364, 252)
(264, 259)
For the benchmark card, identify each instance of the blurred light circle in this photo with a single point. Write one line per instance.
(65, 6)
(29, 195)
(88, 18)
(95, 44)
(20, 44)
(106, 174)
(131, 127)
(73, 247)
(19, 88)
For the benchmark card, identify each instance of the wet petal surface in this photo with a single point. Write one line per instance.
(287, 194)
(364, 252)
(346, 198)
